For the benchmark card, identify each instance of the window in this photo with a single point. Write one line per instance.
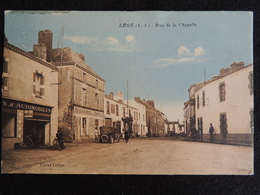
(113, 109)
(123, 112)
(96, 83)
(250, 86)
(117, 113)
(108, 122)
(108, 108)
(5, 74)
(198, 102)
(97, 100)
(5, 66)
(96, 124)
(4, 82)
(84, 97)
(84, 77)
(222, 92)
(84, 126)
(203, 98)
(38, 84)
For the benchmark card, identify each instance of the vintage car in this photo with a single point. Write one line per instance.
(109, 134)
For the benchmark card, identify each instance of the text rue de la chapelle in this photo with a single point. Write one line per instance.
(156, 25)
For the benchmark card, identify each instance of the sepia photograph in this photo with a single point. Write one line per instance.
(127, 93)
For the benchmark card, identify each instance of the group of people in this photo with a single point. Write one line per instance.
(195, 132)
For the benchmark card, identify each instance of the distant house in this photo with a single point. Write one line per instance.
(116, 108)
(226, 101)
(154, 118)
(29, 96)
(139, 118)
(190, 110)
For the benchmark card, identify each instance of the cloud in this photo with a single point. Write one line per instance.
(112, 41)
(130, 39)
(82, 40)
(184, 57)
(199, 51)
(107, 44)
(183, 50)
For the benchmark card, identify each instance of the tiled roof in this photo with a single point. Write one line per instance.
(70, 56)
(28, 55)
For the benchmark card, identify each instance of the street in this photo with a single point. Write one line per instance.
(163, 156)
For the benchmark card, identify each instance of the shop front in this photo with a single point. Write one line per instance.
(20, 119)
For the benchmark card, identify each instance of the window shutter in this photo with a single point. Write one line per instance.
(42, 80)
(34, 74)
(42, 92)
(34, 89)
(5, 66)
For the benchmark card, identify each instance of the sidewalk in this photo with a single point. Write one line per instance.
(216, 141)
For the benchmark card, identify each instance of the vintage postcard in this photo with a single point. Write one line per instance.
(128, 92)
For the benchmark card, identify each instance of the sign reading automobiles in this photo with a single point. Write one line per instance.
(25, 106)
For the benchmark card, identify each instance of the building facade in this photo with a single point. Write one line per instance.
(114, 111)
(155, 119)
(139, 118)
(29, 97)
(118, 108)
(190, 110)
(81, 91)
(226, 101)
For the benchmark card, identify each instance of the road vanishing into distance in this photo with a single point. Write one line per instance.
(148, 156)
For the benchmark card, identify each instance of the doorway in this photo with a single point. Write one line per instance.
(223, 126)
(37, 127)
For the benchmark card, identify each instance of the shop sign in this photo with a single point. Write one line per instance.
(28, 113)
(88, 112)
(25, 106)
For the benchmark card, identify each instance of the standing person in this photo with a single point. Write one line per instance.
(127, 136)
(211, 130)
(96, 134)
(59, 135)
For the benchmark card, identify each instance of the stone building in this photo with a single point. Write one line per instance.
(155, 119)
(226, 101)
(29, 97)
(81, 91)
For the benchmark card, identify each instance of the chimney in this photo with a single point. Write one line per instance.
(111, 95)
(81, 55)
(119, 94)
(235, 66)
(46, 38)
(150, 102)
(137, 99)
(39, 50)
(224, 71)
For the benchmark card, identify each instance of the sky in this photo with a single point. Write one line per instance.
(159, 53)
